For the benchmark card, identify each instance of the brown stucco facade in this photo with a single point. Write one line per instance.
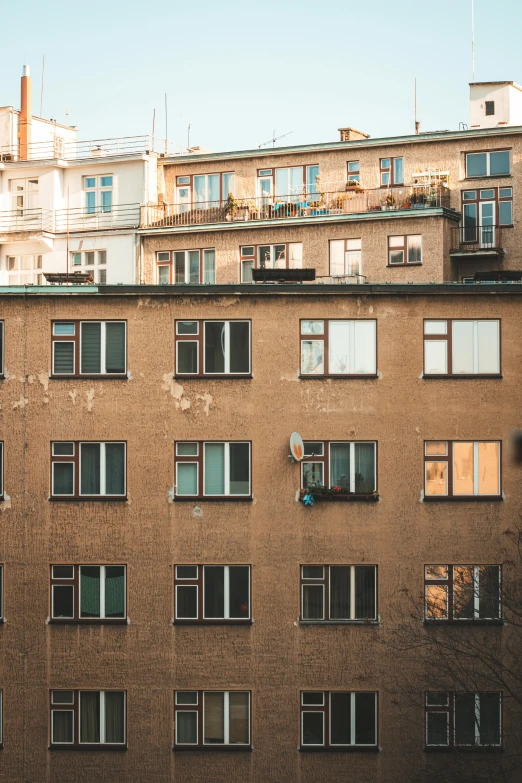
(276, 656)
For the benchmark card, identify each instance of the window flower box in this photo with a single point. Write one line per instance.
(336, 494)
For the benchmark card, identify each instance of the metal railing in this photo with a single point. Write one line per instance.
(476, 239)
(319, 204)
(20, 220)
(340, 279)
(97, 218)
(71, 149)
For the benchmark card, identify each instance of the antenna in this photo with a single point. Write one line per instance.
(41, 90)
(473, 40)
(273, 140)
(153, 127)
(417, 124)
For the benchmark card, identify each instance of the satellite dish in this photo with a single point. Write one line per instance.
(296, 446)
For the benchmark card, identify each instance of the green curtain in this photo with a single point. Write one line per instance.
(89, 716)
(90, 469)
(114, 468)
(114, 716)
(89, 591)
(115, 591)
(214, 469)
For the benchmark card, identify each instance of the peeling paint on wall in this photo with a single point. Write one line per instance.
(207, 399)
(21, 403)
(90, 399)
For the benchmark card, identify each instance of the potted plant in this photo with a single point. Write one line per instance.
(231, 206)
(389, 202)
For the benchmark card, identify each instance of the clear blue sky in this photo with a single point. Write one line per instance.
(236, 70)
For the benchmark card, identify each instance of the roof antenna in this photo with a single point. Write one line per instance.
(473, 40)
(273, 140)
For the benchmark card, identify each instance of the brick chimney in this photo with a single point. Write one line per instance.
(26, 114)
(350, 134)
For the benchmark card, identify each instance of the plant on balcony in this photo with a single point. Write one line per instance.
(353, 184)
(231, 206)
(389, 201)
(320, 492)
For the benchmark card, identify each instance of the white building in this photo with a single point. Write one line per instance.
(68, 205)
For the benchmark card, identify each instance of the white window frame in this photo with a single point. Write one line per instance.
(102, 717)
(103, 347)
(102, 444)
(102, 590)
(226, 594)
(65, 374)
(185, 712)
(98, 189)
(226, 721)
(27, 194)
(68, 712)
(227, 352)
(85, 267)
(227, 444)
(70, 462)
(194, 585)
(197, 478)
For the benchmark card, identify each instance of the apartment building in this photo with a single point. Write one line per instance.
(184, 600)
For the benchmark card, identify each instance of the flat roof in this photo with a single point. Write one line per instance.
(488, 84)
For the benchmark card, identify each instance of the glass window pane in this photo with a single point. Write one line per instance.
(313, 728)
(187, 357)
(436, 572)
(469, 195)
(398, 171)
(186, 572)
(312, 474)
(63, 697)
(63, 358)
(499, 163)
(365, 719)
(465, 719)
(106, 200)
(436, 602)
(214, 717)
(63, 726)
(213, 187)
(295, 255)
(62, 328)
(91, 347)
(186, 728)
(436, 357)
(463, 469)
(63, 478)
(106, 182)
(463, 592)
(489, 592)
(63, 601)
(114, 717)
(90, 182)
(339, 347)
(313, 600)
(182, 180)
(115, 347)
(340, 466)
(239, 346)
(364, 468)
(239, 718)
(489, 718)
(337, 257)
(89, 591)
(214, 592)
(215, 347)
(214, 464)
(437, 698)
(313, 449)
(353, 165)
(193, 262)
(114, 591)
(415, 249)
(436, 478)
(187, 478)
(437, 732)
(186, 697)
(90, 716)
(488, 468)
(179, 267)
(365, 594)
(187, 449)
(90, 468)
(239, 469)
(433, 447)
(312, 174)
(505, 210)
(312, 357)
(186, 602)
(385, 163)
(462, 347)
(365, 339)
(239, 588)
(90, 202)
(246, 271)
(187, 327)
(339, 592)
(488, 346)
(312, 698)
(313, 572)
(209, 266)
(63, 572)
(228, 184)
(476, 164)
(340, 729)
(114, 468)
(396, 256)
(312, 327)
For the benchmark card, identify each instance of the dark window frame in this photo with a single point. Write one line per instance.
(170, 263)
(354, 175)
(448, 582)
(76, 340)
(325, 710)
(199, 338)
(405, 250)
(75, 460)
(75, 709)
(199, 709)
(448, 338)
(325, 583)
(199, 582)
(449, 709)
(324, 458)
(199, 460)
(488, 164)
(448, 459)
(74, 582)
(390, 170)
(324, 338)
(489, 109)
(497, 198)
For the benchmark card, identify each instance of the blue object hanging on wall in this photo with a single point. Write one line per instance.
(308, 499)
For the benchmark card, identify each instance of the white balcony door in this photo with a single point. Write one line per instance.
(487, 224)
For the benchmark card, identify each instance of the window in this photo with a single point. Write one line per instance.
(462, 592)
(405, 250)
(88, 470)
(462, 469)
(283, 256)
(220, 348)
(98, 193)
(488, 164)
(392, 171)
(287, 183)
(490, 108)
(338, 592)
(455, 347)
(186, 266)
(354, 173)
(339, 347)
(92, 262)
(210, 718)
(345, 257)
(25, 197)
(88, 593)
(351, 466)
(463, 719)
(212, 593)
(24, 270)
(337, 719)
(212, 469)
(84, 348)
(88, 718)
(208, 190)
(482, 211)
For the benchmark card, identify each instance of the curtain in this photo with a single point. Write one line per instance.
(239, 468)
(114, 468)
(337, 257)
(200, 189)
(340, 465)
(63, 478)
(365, 592)
(228, 185)
(214, 591)
(91, 347)
(186, 727)
(179, 267)
(488, 346)
(90, 469)
(63, 726)
(89, 591)
(115, 591)
(215, 347)
(193, 258)
(462, 347)
(114, 716)
(313, 602)
(463, 472)
(239, 718)
(488, 461)
(365, 723)
(465, 719)
(115, 347)
(214, 468)
(239, 588)
(209, 266)
(214, 708)
(340, 592)
(239, 346)
(364, 468)
(63, 358)
(89, 716)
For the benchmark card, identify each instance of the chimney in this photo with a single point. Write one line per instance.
(350, 134)
(26, 114)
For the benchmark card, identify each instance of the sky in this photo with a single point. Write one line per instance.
(237, 71)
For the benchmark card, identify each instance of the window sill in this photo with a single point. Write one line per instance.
(90, 499)
(210, 748)
(89, 621)
(212, 499)
(213, 622)
(463, 377)
(68, 377)
(399, 266)
(462, 749)
(351, 749)
(463, 622)
(340, 622)
(347, 377)
(463, 498)
(209, 377)
(88, 747)
(487, 176)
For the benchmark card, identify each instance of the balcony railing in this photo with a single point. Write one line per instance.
(70, 149)
(310, 205)
(20, 220)
(476, 239)
(97, 218)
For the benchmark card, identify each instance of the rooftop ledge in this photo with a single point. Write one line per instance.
(268, 289)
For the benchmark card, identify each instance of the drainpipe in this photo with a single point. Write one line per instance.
(26, 115)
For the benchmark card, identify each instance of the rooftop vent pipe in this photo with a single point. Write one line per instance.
(25, 119)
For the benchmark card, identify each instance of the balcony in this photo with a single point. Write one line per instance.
(97, 218)
(474, 241)
(26, 220)
(338, 201)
